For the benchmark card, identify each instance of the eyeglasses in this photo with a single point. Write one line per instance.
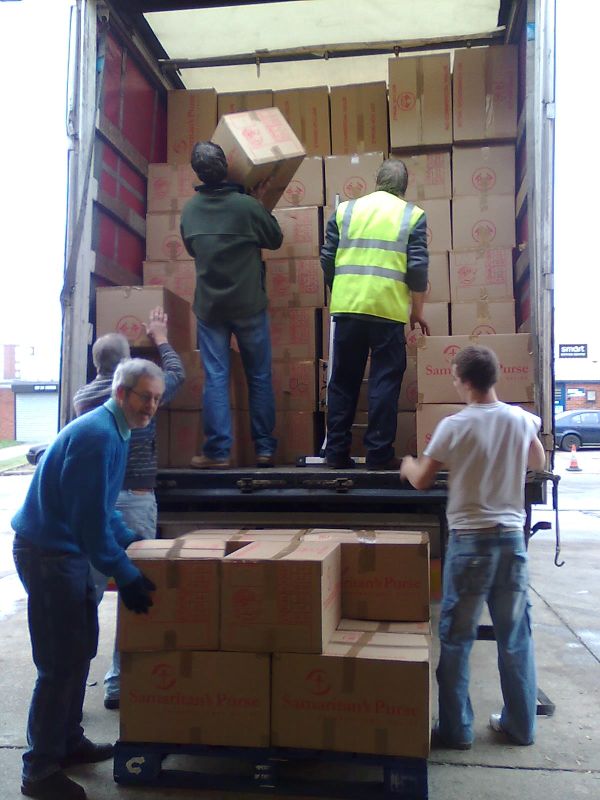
(148, 398)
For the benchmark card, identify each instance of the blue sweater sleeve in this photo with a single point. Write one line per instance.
(89, 468)
(329, 250)
(417, 257)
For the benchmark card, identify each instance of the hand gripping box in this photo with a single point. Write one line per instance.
(209, 698)
(369, 695)
(385, 574)
(280, 597)
(185, 610)
(259, 145)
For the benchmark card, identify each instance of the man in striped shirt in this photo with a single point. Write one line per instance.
(136, 500)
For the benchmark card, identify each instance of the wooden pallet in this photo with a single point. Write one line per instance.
(271, 771)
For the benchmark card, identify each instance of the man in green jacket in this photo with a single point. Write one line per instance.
(224, 230)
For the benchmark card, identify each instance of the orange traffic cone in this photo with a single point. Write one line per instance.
(573, 465)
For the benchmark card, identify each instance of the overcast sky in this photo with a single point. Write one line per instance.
(33, 151)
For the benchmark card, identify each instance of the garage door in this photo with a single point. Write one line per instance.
(36, 416)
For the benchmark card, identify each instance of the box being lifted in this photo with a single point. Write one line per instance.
(259, 145)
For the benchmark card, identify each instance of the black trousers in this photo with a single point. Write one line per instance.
(353, 340)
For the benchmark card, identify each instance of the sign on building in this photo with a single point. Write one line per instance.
(572, 351)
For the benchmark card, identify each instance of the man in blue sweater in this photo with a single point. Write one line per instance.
(68, 520)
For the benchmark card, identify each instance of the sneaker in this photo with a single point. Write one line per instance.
(111, 703)
(497, 726)
(88, 753)
(392, 464)
(438, 743)
(340, 462)
(204, 462)
(265, 460)
(55, 787)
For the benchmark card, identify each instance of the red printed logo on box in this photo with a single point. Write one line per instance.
(484, 231)
(253, 136)
(161, 187)
(295, 192)
(164, 676)
(485, 329)
(354, 187)
(484, 179)
(405, 101)
(450, 352)
(172, 247)
(467, 275)
(429, 235)
(412, 392)
(245, 605)
(130, 327)
(318, 682)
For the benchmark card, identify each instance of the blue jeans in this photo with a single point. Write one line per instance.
(140, 514)
(254, 340)
(487, 566)
(63, 627)
(352, 342)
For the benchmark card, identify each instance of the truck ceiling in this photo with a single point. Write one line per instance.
(242, 46)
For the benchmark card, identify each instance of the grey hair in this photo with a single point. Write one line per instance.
(128, 373)
(108, 351)
(392, 177)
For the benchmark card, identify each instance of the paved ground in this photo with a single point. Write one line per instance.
(564, 764)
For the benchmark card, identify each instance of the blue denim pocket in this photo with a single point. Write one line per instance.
(473, 574)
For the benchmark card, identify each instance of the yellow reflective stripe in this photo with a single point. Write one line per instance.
(364, 269)
(397, 246)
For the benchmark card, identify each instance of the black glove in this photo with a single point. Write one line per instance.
(136, 595)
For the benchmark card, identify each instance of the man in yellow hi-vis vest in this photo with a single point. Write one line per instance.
(375, 262)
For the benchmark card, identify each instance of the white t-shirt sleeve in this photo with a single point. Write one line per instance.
(439, 445)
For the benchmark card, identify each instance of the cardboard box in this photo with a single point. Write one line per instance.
(382, 638)
(359, 118)
(280, 598)
(297, 435)
(436, 315)
(295, 385)
(482, 171)
(405, 443)
(191, 118)
(170, 186)
(439, 237)
(196, 698)
(185, 614)
(233, 102)
(349, 177)
(126, 309)
(478, 224)
(429, 176)
(420, 101)
(353, 698)
(185, 437)
(163, 238)
(408, 389)
(294, 333)
(325, 332)
(189, 395)
(178, 276)
(259, 145)
(485, 93)
(301, 230)
(295, 282)
(372, 626)
(481, 275)
(438, 280)
(307, 111)
(385, 574)
(473, 319)
(306, 187)
(514, 351)
(429, 416)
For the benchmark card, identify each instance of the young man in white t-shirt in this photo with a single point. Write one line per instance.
(486, 448)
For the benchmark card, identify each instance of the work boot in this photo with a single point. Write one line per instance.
(204, 462)
(340, 462)
(88, 753)
(54, 787)
(438, 743)
(111, 702)
(265, 460)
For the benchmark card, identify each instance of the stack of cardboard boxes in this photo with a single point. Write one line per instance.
(313, 639)
(453, 126)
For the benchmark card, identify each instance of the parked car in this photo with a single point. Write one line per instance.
(580, 427)
(35, 453)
